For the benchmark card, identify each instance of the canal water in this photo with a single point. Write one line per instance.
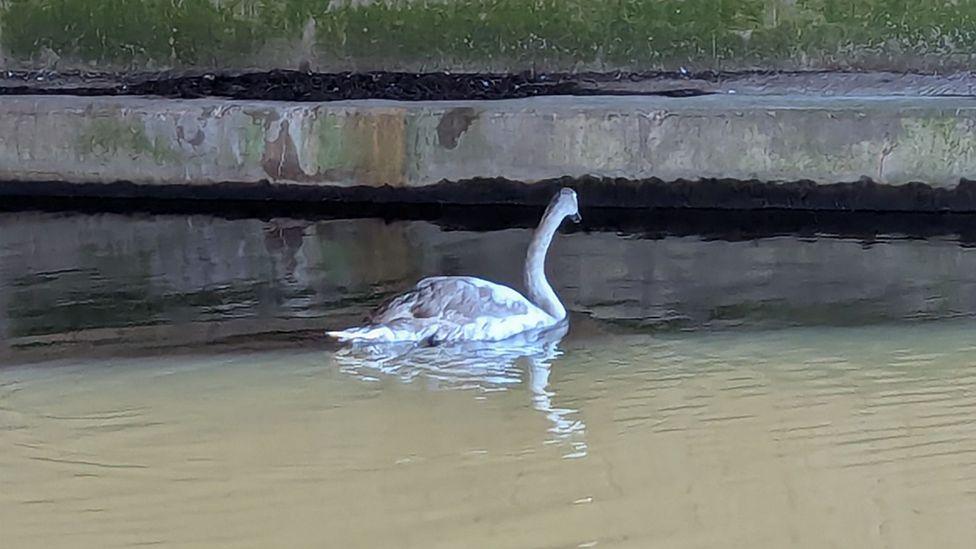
(163, 381)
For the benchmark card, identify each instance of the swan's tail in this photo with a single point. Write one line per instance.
(363, 333)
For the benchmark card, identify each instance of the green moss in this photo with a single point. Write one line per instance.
(252, 139)
(332, 153)
(108, 137)
(934, 142)
(545, 34)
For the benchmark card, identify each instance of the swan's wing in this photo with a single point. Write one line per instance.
(456, 299)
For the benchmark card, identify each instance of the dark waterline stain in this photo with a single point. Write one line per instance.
(863, 195)
(513, 207)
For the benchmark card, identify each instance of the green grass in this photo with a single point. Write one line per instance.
(546, 34)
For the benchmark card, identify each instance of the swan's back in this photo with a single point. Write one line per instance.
(459, 297)
(451, 308)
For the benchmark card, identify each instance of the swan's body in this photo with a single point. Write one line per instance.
(463, 308)
(451, 308)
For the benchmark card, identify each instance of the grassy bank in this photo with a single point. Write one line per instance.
(491, 34)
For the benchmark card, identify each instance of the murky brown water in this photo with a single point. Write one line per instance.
(773, 393)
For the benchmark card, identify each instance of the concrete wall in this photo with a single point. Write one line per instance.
(480, 35)
(196, 142)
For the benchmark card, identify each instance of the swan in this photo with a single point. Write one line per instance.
(445, 309)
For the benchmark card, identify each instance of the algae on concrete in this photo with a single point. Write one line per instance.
(107, 137)
(490, 35)
(411, 144)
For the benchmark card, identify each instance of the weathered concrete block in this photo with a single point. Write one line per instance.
(199, 142)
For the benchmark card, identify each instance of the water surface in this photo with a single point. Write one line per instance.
(811, 392)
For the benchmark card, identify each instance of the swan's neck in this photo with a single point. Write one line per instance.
(536, 284)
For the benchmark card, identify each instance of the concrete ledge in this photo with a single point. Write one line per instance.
(891, 141)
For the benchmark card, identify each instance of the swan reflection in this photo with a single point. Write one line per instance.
(481, 366)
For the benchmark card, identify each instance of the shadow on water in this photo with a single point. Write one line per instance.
(486, 367)
(720, 224)
(76, 283)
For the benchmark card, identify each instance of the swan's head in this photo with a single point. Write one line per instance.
(565, 203)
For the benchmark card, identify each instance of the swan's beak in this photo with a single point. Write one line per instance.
(576, 217)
